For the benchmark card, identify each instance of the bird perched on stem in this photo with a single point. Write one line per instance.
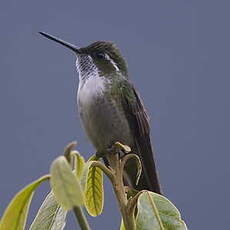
(111, 109)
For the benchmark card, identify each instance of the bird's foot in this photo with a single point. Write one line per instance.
(99, 154)
(118, 148)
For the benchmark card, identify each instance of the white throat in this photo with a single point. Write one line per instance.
(86, 69)
(91, 84)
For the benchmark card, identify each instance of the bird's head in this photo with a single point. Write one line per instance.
(101, 58)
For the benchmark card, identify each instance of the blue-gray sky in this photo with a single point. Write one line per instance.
(178, 58)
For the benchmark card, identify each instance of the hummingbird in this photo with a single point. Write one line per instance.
(111, 109)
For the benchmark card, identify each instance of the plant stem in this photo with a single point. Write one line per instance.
(119, 189)
(84, 225)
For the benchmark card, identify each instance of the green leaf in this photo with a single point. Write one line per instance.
(79, 164)
(93, 158)
(94, 193)
(158, 213)
(50, 215)
(122, 227)
(85, 172)
(15, 215)
(65, 185)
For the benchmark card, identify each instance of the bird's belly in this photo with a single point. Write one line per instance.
(104, 122)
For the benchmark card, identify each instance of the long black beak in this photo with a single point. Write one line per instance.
(66, 44)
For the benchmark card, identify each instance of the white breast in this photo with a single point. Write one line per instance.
(92, 88)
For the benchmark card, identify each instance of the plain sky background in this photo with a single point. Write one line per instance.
(178, 58)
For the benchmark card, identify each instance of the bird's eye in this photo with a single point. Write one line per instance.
(100, 55)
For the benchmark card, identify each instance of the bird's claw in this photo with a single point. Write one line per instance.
(116, 148)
